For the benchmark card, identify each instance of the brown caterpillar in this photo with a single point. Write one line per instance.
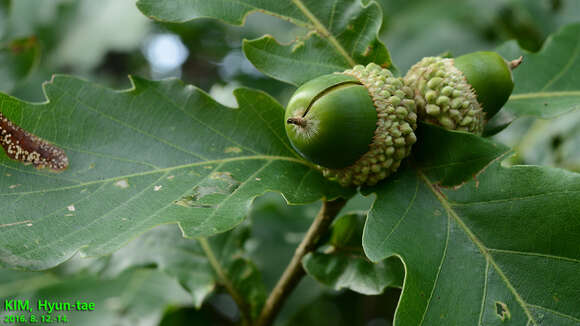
(27, 148)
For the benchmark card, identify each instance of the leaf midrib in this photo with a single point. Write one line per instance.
(168, 169)
(482, 248)
(524, 96)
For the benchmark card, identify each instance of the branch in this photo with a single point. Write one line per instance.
(215, 264)
(294, 272)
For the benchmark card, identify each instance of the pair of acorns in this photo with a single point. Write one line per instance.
(358, 125)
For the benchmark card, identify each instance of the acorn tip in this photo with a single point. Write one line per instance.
(515, 63)
(297, 121)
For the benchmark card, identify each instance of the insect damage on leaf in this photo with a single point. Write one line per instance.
(216, 186)
(502, 311)
(27, 148)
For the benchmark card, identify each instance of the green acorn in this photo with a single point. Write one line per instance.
(357, 126)
(461, 93)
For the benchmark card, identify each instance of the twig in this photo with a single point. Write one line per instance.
(243, 306)
(294, 271)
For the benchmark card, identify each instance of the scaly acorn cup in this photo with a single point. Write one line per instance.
(461, 93)
(357, 126)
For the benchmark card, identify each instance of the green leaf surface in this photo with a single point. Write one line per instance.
(547, 83)
(339, 33)
(342, 263)
(354, 272)
(499, 250)
(186, 260)
(138, 297)
(451, 157)
(161, 152)
(17, 59)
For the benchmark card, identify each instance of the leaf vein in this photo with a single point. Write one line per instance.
(484, 297)
(184, 166)
(555, 312)
(85, 227)
(535, 254)
(274, 14)
(565, 67)
(359, 36)
(143, 221)
(34, 172)
(299, 187)
(525, 96)
(438, 268)
(285, 143)
(201, 122)
(230, 195)
(301, 62)
(112, 157)
(324, 32)
(124, 124)
(482, 248)
(411, 202)
(512, 199)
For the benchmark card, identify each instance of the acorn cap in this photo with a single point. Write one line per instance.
(395, 129)
(358, 125)
(443, 95)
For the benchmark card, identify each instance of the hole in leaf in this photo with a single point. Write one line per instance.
(502, 310)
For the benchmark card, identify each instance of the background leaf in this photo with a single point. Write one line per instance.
(17, 59)
(341, 263)
(159, 153)
(470, 25)
(547, 83)
(491, 236)
(338, 34)
(105, 34)
(137, 297)
(184, 259)
(277, 228)
(553, 142)
(412, 33)
(78, 37)
(19, 54)
(4, 8)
